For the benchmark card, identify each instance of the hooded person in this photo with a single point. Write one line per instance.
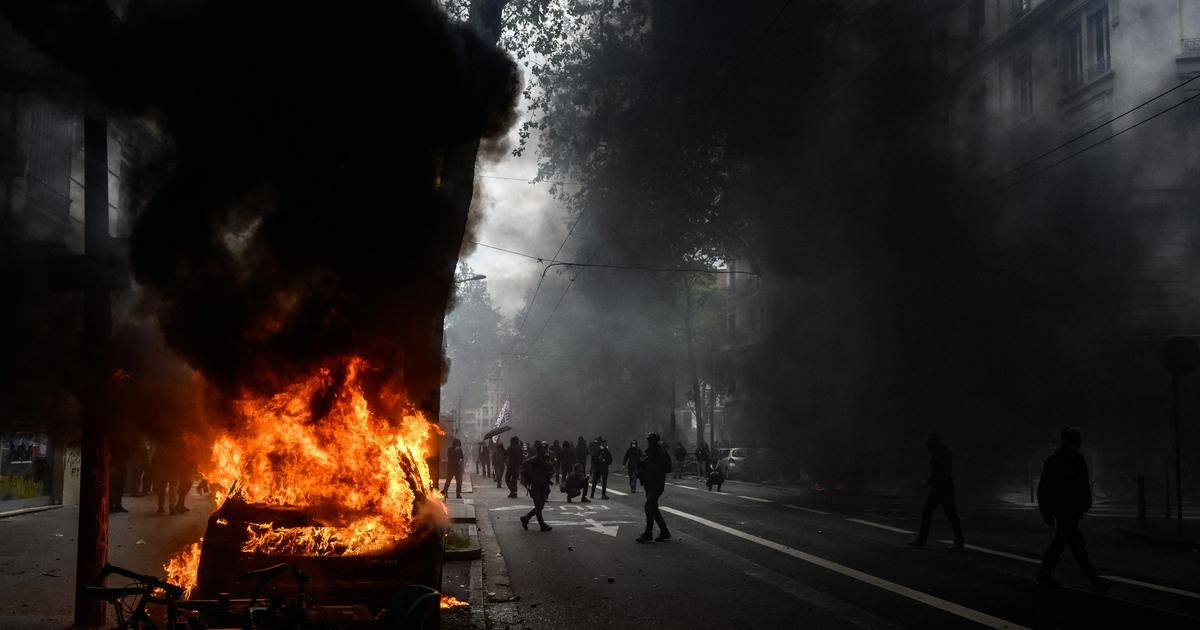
(653, 470)
(582, 453)
(1064, 496)
(633, 455)
(600, 463)
(566, 463)
(536, 472)
(516, 452)
(454, 468)
(941, 492)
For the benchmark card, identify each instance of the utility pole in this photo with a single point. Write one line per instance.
(92, 545)
(1181, 356)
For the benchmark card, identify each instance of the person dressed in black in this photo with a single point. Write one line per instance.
(454, 469)
(556, 460)
(941, 492)
(702, 457)
(482, 459)
(600, 463)
(536, 472)
(633, 455)
(566, 462)
(513, 465)
(653, 470)
(581, 453)
(575, 484)
(680, 457)
(499, 457)
(1064, 495)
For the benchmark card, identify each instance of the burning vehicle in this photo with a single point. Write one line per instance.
(318, 478)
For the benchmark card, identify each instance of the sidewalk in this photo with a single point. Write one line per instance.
(37, 555)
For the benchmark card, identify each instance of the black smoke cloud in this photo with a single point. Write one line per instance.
(295, 211)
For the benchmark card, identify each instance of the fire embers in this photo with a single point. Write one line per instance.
(359, 478)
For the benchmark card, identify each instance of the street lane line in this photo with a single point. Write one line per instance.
(618, 492)
(1115, 578)
(1165, 589)
(904, 591)
(881, 526)
(742, 496)
(679, 485)
(806, 509)
(1002, 554)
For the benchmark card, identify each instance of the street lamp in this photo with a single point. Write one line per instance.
(477, 276)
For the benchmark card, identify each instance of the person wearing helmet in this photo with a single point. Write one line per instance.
(515, 457)
(600, 463)
(633, 455)
(653, 471)
(941, 492)
(536, 472)
(1064, 495)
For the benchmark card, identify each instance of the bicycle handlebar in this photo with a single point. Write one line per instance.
(173, 591)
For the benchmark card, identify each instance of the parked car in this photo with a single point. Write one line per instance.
(751, 464)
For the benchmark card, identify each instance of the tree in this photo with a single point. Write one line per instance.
(475, 336)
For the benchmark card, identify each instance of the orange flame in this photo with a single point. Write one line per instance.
(359, 473)
(450, 601)
(181, 568)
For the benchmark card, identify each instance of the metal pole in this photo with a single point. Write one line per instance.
(92, 545)
(1178, 465)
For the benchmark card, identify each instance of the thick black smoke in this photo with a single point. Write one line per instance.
(300, 215)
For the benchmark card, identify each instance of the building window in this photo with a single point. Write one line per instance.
(1023, 86)
(1085, 47)
(975, 17)
(1021, 7)
(1097, 26)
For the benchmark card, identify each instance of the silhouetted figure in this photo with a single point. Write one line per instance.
(633, 456)
(556, 460)
(653, 471)
(160, 472)
(600, 463)
(454, 469)
(941, 492)
(581, 454)
(117, 472)
(141, 468)
(680, 458)
(499, 456)
(1064, 495)
(481, 458)
(716, 477)
(576, 484)
(536, 472)
(703, 455)
(566, 463)
(513, 465)
(185, 473)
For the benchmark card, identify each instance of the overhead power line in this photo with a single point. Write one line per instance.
(1094, 129)
(1121, 132)
(546, 323)
(528, 180)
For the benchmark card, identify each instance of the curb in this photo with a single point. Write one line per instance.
(29, 510)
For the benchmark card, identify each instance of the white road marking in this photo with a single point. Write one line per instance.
(1115, 578)
(881, 526)
(679, 485)
(904, 591)
(806, 509)
(618, 492)
(1165, 589)
(512, 507)
(607, 530)
(742, 496)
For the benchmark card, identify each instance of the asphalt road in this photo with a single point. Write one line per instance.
(756, 557)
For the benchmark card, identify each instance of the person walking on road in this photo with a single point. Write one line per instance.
(566, 463)
(941, 492)
(600, 463)
(454, 469)
(653, 470)
(1064, 495)
(680, 457)
(633, 455)
(499, 456)
(556, 460)
(536, 472)
(482, 459)
(513, 465)
(581, 453)
(702, 457)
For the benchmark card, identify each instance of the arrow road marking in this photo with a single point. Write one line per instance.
(899, 589)
(607, 530)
